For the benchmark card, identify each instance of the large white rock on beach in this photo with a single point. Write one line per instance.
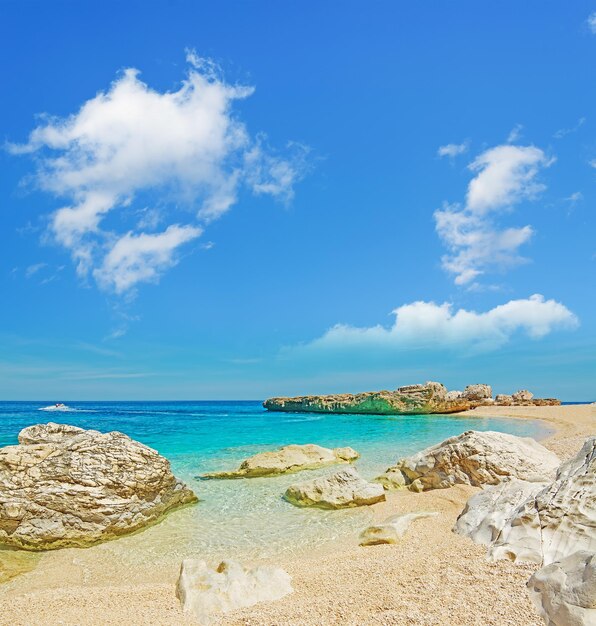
(559, 520)
(523, 395)
(565, 591)
(63, 486)
(207, 593)
(292, 458)
(487, 512)
(476, 458)
(390, 530)
(477, 392)
(343, 489)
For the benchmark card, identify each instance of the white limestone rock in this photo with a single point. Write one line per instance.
(559, 520)
(503, 399)
(475, 458)
(208, 593)
(392, 479)
(486, 513)
(477, 392)
(523, 395)
(390, 530)
(565, 591)
(68, 487)
(292, 458)
(340, 490)
(453, 395)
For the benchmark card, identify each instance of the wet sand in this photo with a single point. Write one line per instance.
(432, 577)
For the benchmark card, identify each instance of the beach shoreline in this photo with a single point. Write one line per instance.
(432, 576)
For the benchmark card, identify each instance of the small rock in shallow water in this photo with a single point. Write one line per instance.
(340, 490)
(292, 458)
(208, 593)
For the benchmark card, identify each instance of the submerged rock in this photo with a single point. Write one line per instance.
(13, 563)
(288, 459)
(390, 530)
(64, 486)
(474, 458)
(207, 593)
(565, 591)
(340, 490)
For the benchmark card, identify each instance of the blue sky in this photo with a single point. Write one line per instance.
(242, 199)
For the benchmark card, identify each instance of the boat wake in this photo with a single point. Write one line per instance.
(57, 407)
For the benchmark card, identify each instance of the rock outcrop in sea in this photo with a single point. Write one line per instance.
(208, 593)
(546, 526)
(64, 486)
(472, 458)
(431, 397)
(343, 489)
(292, 458)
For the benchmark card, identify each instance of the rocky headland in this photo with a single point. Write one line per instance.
(430, 397)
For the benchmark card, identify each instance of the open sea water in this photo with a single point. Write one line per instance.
(246, 518)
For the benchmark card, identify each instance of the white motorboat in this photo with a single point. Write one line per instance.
(59, 406)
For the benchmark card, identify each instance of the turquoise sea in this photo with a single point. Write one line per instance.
(247, 518)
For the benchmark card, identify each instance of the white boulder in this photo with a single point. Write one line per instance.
(477, 392)
(208, 593)
(390, 530)
(68, 487)
(475, 458)
(343, 489)
(565, 591)
(523, 395)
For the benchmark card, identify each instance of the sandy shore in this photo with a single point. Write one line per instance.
(432, 577)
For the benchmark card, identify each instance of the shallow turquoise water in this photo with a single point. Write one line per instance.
(247, 517)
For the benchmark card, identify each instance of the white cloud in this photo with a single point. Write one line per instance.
(505, 175)
(563, 132)
(187, 146)
(592, 22)
(576, 196)
(515, 133)
(141, 258)
(430, 325)
(592, 163)
(452, 149)
(33, 269)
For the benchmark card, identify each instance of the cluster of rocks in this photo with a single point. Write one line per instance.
(531, 509)
(430, 397)
(64, 486)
